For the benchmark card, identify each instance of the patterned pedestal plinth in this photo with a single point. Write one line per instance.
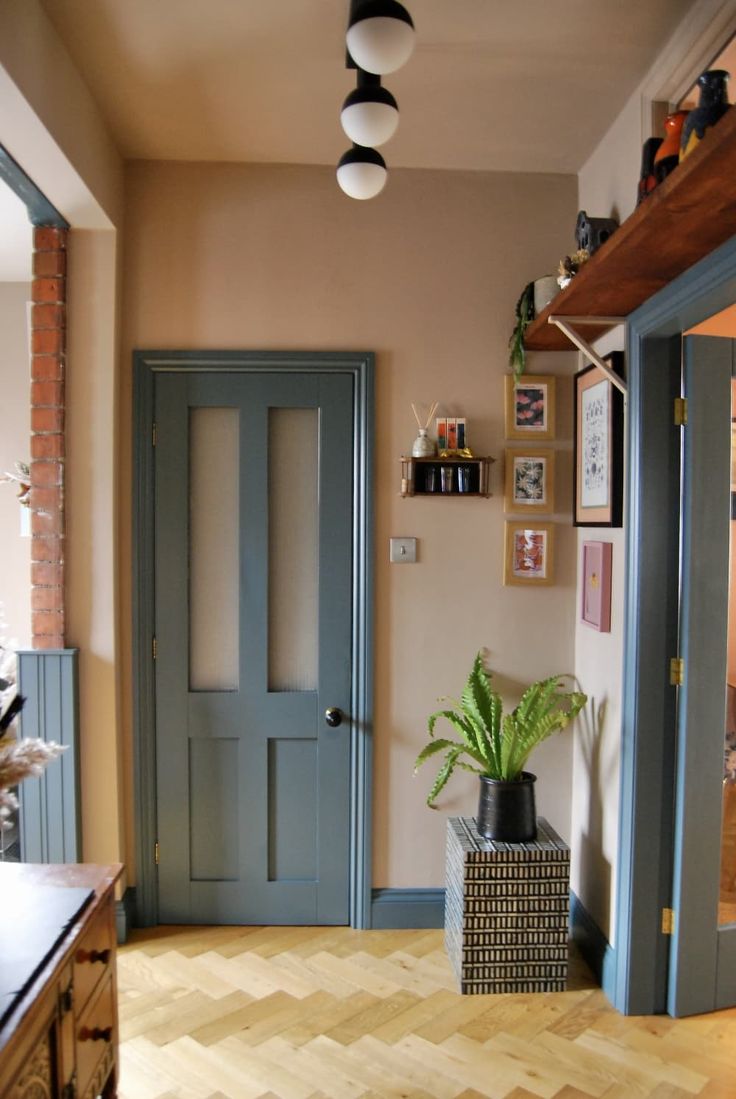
(506, 910)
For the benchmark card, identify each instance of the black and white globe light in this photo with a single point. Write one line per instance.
(370, 114)
(361, 172)
(380, 36)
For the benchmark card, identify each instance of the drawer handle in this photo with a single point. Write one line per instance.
(95, 1034)
(93, 956)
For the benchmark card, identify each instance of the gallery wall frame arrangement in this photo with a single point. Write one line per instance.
(528, 553)
(530, 480)
(530, 407)
(596, 567)
(598, 447)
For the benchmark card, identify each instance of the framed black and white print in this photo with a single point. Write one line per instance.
(599, 447)
(530, 480)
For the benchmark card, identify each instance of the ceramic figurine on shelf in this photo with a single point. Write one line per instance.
(591, 233)
(668, 153)
(647, 178)
(423, 446)
(711, 108)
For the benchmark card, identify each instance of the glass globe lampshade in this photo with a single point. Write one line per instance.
(380, 36)
(370, 115)
(361, 172)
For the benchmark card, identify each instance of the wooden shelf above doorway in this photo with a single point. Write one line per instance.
(685, 218)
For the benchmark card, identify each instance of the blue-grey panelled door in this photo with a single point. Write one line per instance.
(253, 784)
(702, 973)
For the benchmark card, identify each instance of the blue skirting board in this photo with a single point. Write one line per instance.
(593, 945)
(407, 908)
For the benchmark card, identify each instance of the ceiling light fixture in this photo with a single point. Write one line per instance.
(380, 35)
(380, 38)
(361, 172)
(370, 114)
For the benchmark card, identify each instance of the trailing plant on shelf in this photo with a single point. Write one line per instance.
(524, 317)
(490, 743)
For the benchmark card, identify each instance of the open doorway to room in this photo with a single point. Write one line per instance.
(15, 357)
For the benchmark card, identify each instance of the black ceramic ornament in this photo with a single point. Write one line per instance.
(712, 107)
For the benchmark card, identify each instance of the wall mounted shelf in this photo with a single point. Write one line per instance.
(686, 217)
(423, 476)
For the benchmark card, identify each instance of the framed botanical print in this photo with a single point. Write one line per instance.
(528, 556)
(530, 407)
(530, 480)
(599, 447)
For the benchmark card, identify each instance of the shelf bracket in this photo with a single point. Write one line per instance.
(565, 325)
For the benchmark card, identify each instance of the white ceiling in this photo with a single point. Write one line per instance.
(529, 85)
(493, 85)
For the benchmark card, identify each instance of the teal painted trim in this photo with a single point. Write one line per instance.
(407, 908)
(593, 945)
(361, 366)
(50, 806)
(361, 823)
(144, 698)
(646, 830)
(124, 915)
(40, 210)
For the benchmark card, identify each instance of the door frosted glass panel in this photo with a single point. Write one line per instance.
(293, 546)
(214, 587)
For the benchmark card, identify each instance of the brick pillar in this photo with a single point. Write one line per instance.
(48, 343)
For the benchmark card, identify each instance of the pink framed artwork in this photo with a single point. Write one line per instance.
(596, 606)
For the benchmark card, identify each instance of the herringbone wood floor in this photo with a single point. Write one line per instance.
(310, 1013)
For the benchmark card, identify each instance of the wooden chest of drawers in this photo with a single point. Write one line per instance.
(59, 1037)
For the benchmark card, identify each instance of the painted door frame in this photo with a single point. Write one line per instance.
(635, 972)
(360, 366)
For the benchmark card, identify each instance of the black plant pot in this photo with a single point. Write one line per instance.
(506, 810)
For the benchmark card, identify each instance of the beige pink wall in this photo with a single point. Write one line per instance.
(50, 124)
(15, 387)
(426, 276)
(607, 185)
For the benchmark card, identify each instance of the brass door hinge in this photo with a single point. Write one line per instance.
(668, 921)
(154, 434)
(156, 853)
(154, 648)
(680, 411)
(677, 671)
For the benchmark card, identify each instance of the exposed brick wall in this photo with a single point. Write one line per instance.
(48, 346)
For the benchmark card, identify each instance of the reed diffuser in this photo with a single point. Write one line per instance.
(423, 446)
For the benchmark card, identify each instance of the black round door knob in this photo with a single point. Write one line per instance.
(333, 717)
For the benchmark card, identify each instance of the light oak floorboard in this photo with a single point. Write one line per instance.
(332, 1013)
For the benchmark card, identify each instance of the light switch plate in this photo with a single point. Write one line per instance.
(403, 551)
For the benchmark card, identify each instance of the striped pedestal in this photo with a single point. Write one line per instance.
(506, 910)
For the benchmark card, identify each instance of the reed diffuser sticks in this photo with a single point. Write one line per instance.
(425, 426)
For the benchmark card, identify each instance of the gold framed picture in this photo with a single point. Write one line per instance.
(530, 480)
(529, 553)
(530, 407)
